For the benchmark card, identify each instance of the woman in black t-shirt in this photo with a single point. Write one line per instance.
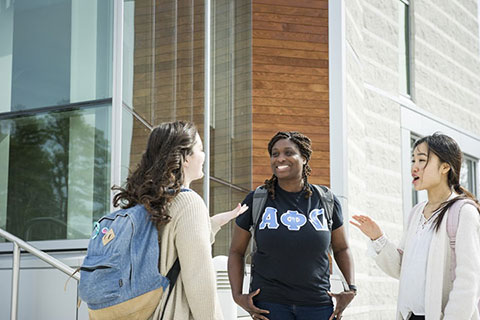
(290, 268)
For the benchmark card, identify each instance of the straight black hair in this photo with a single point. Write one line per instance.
(448, 151)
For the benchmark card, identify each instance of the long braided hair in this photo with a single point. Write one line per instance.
(159, 176)
(304, 145)
(448, 151)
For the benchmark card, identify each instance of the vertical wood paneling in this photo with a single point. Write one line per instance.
(290, 79)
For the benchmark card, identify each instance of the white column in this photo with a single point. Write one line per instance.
(128, 52)
(117, 96)
(207, 102)
(338, 112)
(127, 136)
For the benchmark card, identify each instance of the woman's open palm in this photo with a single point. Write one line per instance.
(366, 224)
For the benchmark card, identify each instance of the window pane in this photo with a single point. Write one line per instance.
(55, 173)
(164, 58)
(230, 112)
(468, 174)
(404, 48)
(134, 142)
(55, 53)
(224, 198)
(475, 178)
(164, 81)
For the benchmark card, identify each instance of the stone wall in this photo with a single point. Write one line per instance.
(445, 82)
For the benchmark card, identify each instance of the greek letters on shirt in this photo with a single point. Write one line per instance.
(293, 220)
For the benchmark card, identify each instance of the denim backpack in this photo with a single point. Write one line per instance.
(119, 278)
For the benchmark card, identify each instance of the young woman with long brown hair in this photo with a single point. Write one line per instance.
(161, 184)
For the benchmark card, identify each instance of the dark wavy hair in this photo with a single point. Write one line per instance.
(159, 175)
(304, 145)
(448, 151)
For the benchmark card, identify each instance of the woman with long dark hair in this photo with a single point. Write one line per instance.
(438, 271)
(161, 184)
(290, 267)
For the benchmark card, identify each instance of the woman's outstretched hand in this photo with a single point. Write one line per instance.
(224, 217)
(369, 227)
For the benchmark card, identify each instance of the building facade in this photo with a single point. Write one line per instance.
(82, 83)
(410, 68)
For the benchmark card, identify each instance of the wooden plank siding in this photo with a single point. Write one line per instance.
(290, 80)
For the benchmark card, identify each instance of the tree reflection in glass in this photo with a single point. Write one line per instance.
(58, 173)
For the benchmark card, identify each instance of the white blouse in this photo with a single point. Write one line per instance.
(412, 282)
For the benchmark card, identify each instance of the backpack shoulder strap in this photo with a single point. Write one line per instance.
(172, 276)
(259, 199)
(452, 221)
(326, 196)
(453, 217)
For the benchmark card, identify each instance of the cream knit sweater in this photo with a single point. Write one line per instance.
(444, 299)
(189, 236)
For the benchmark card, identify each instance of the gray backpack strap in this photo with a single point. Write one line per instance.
(326, 196)
(259, 200)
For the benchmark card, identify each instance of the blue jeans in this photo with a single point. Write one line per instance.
(280, 311)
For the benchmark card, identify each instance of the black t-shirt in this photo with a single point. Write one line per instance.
(291, 265)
